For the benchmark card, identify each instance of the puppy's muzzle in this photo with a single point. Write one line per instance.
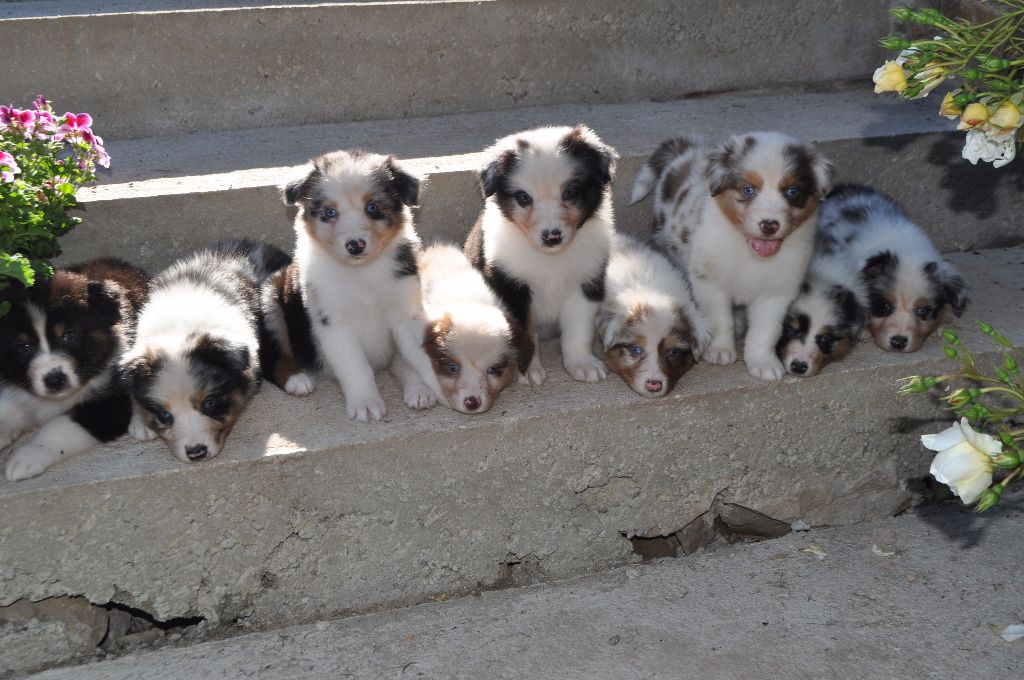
(653, 386)
(355, 247)
(551, 237)
(56, 380)
(196, 452)
(797, 367)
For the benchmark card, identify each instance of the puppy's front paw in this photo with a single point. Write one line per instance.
(137, 429)
(722, 355)
(587, 370)
(765, 368)
(419, 397)
(366, 408)
(299, 385)
(534, 377)
(701, 341)
(28, 461)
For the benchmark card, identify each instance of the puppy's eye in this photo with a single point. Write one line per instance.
(826, 343)
(163, 416)
(924, 312)
(24, 349)
(497, 369)
(453, 368)
(524, 199)
(749, 191)
(881, 307)
(792, 193)
(330, 213)
(210, 405)
(373, 210)
(569, 193)
(70, 337)
(788, 331)
(635, 351)
(674, 353)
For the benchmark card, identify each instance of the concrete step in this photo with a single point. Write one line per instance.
(194, 66)
(909, 597)
(308, 516)
(164, 196)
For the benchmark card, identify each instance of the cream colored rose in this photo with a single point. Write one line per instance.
(950, 109)
(965, 460)
(1006, 117)
(889, 77)
(975, 115)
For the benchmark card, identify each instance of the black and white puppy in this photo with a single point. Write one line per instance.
(827, 318)
(911, 286)
(544, 238)
(740, 218)
(194, 366)
(352, 293)
(59, 347)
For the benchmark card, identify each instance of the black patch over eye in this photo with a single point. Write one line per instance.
(163, 416)
(523, 199)
(24, 349)
(373, 211)
(570, 192)
(826, 343)
(70, 337)
(792, 194)
(880, 306)
(213, 406)
(924, 312)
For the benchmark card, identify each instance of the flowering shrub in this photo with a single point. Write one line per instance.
(44, 159)
(988, 60)
(970, 461)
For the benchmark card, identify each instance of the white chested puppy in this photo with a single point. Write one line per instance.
(827, 318)
(740, 218)
(544, 237)
(473, 343)
(649, 327)
(912, 288)
(352, 293)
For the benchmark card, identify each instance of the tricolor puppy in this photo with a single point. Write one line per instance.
(911, 286)
(194, 366)
(59, 347)
(648, 321)
(544, 237)
(473, 344)
(740, 219)
(825, 321)
(352, 293)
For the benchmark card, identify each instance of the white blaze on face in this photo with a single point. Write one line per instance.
(478, 343)
(49, 363)
(543, 176)
(175, 389)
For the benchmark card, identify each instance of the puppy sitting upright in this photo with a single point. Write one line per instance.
(473, 344)
(59, 346)
(740, 219)
(649, 327)
(911, 286)
(544, 237)
(352, 292)
(194, 366)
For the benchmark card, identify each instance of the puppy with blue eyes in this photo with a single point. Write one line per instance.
(912, 288)
(544, 237)
(352, 294)
(740, 218)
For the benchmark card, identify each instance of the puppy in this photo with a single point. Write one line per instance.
(472, 342)
(911, 288)
(826, 320)
(352, 293)
(648, 320)
(194, 366)
(60, 343)
(740, 219)
(544, 237)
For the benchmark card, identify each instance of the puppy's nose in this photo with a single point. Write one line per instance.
(196, 451)
(769, 227)
(471, 403)
(798, 367)
(551, 237)
(898, 342)
(355, 246)
(653, 386)
(55, 380)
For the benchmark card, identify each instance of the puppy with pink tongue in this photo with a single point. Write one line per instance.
(740, 218)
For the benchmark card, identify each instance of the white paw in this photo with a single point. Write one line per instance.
(299, 385)
(718, 354)
(765, 368)
(535, 376)
(28, 461)
(138, 430)
(701, 341)
(419, 397)
(587, 370)
(367, 408)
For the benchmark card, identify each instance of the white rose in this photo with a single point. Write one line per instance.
(980, 146)
(965, 460)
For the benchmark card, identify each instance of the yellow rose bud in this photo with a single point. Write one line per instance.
(975, 115)
(950, 109)
(889, 77)
(1006, 117)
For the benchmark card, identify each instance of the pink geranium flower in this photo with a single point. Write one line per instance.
(74, 123)
(8, 167)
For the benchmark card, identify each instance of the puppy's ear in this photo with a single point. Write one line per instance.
(720, 171)
(824, 173)
(853, 314)
(492, 175)
(581, 142)
(952, 287)
(133, 370)
(221, 352)
(609, 325)
(105, 298)
(879, 265)
(521, 341)
(405, 184)
(297, 189)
